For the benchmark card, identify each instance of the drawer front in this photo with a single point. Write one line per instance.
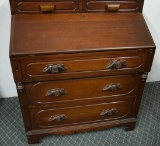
(53, 6)
(50, 117)
(80, 89)
(46, 69)
(110, 6)
(57, 6)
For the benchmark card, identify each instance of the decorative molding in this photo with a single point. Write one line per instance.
(80, 127)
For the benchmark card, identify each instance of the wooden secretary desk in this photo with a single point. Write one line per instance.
(79, 65)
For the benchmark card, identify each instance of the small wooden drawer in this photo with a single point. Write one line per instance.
(56, 6)
(46, 69)
(110, 6)
(53, 6)
(44, 117)
(80, 89)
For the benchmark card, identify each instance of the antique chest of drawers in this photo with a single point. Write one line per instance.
(79, 65)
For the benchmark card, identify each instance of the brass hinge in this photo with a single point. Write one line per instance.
(144, 77)
(19, 86)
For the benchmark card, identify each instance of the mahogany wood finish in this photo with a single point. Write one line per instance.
(118, 6)
(116, 31)
(83, 88)
(33, 69)
(86, 66)
(35, 6)
(72, 6)
(34, 135)
(112, 6)
(79, 71)
(77, 115)
(61, 6)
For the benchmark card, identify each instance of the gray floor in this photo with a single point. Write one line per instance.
(147, 132)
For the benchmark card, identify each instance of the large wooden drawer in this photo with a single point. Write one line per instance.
(80, 89)
(43, 117)
(107, 6)
(82, 66)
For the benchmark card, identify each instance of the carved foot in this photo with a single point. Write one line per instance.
(129, 126)
(33, 139)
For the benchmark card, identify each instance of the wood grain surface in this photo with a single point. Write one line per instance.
(34, 34)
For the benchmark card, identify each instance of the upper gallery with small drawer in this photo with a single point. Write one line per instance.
(70, 6)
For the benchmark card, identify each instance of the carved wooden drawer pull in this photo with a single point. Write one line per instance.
(56, 92)
(54, 68)
(50, 8)
(116, 64)
(108, 112)
(112, 87)
(57, 118)
(112, 7)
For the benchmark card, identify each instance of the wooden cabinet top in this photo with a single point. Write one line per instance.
(81, 32)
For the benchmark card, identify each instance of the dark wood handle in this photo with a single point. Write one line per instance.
(112, 87)
(57, 118)
(49, 8)
(108, 112)
(54, 68)
(56, 92)
(112, 7)
(116, 64)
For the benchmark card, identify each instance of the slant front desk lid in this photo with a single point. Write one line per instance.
(63, 33)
